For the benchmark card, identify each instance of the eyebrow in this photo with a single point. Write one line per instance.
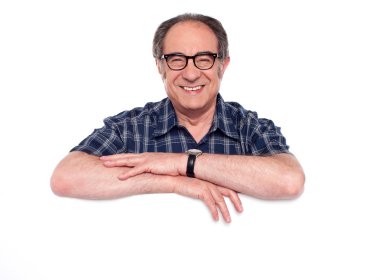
(198, 53)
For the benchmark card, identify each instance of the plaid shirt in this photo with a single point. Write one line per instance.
(155, 128)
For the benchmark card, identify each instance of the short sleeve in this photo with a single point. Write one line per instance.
(265, 138)
(103, 141)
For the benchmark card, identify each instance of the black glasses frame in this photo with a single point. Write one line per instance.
(193, 57)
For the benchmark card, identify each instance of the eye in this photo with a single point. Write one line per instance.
(204, 58)
(204, 61)
(176, 59)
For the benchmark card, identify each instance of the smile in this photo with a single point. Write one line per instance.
(192, 88)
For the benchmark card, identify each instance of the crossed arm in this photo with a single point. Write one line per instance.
(278, 176)
(85, 176)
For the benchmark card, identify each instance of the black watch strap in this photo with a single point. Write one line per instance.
(190, 165)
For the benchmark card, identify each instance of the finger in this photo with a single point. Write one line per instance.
(131, 173)
(234, 197)
(116, 163)
(125, 156)
(125, 161)
(219, 199)
(113, 157)
(210, 203)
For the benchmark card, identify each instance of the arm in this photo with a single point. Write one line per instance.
(84, 176)
(277, 176)
(81, 175)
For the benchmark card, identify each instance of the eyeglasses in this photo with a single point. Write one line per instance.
(202, 61)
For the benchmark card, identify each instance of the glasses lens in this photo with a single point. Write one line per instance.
(204, 61)
(176, 61)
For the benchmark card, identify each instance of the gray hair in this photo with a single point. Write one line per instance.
(212, 23)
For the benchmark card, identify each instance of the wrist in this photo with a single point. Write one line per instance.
(192, 154)
(182, 163)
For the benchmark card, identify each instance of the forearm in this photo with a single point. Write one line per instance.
(269, 177)
(84, 176)
(81, 175)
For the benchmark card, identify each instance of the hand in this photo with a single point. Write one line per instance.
(168, 164)
(156, 163)
(212, 195)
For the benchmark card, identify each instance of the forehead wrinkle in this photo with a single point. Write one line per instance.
(192, 36)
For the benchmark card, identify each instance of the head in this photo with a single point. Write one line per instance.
(191, 89)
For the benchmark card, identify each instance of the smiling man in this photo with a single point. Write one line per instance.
(192, 143)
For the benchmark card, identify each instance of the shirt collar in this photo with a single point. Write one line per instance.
(166, 118)
(224, 119)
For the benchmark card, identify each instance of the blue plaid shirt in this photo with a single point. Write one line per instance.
(155, 128)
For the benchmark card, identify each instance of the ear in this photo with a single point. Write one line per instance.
(226, 62)
(223, 67)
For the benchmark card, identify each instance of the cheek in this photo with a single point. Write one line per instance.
(163, 75)
(168, 81)
(170, 78)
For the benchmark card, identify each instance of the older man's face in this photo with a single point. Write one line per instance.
(191, 90)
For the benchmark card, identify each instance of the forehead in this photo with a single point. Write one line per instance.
(189, 38)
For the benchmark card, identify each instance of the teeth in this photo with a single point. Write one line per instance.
(192, 88)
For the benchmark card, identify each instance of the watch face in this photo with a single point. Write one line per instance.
(195, 152)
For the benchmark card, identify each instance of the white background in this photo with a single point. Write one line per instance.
(311, 66)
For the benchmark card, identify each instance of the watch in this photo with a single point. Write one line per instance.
(193, 154)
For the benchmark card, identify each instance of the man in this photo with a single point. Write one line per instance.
(191, 143)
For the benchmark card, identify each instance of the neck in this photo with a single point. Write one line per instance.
(198, 124)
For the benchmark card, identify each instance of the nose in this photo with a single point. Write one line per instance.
(191, 73)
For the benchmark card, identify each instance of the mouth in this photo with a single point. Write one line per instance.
(193, 90)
